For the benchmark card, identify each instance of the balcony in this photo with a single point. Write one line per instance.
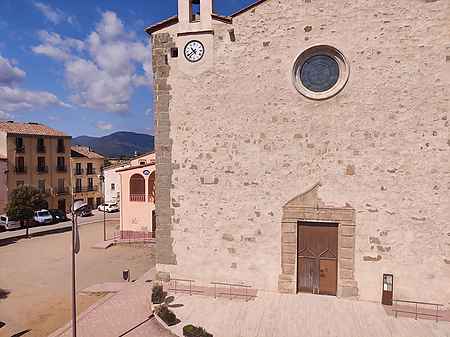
(20, 149)
(61, 168)
(62, 190)
(21, 169)
(78, 172)
(81, 189)
(91, 171)
(41, 169)
(137, 197)
(61, 149)
(41, 149)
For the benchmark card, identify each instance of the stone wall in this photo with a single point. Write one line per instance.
(245, 142)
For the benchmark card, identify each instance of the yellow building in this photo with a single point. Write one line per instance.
(37, 156)
(87, 167)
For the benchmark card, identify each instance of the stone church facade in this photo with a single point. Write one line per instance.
(304, 145)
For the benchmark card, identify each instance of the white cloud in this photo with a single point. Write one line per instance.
(148, 112)
(105, 69)
(14, 99)
(104, 126)
(54, 15)
(56, 47)
(9, 74)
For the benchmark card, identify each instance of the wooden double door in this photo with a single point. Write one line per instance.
(317, 258)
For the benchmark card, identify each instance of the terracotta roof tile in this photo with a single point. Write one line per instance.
(30, 129)
(87, 152)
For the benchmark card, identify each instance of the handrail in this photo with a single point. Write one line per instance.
(416, 312)
(230, 293)
(426, 303)
(175, 289)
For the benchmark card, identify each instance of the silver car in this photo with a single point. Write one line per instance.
(7, 223)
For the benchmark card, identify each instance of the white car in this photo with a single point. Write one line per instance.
(108, 207)
(7, 223)
(43, 217)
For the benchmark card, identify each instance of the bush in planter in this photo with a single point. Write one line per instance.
(158, 294)
(167, 315)
(193, 331)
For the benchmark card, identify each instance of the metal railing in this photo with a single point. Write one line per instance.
(137, 197)
(91, 171)
(175, 286)
(42, 169)
(21, 169)
(61, 168)
(230, 287)
(133, 237)
(20, 149)
(78, 172)
(81, 189)
(416, 312)
(41, 149)
(62, 191)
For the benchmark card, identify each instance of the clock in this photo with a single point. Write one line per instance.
(194, 51)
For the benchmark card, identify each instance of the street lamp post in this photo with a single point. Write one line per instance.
(77, 208)
(102, 179)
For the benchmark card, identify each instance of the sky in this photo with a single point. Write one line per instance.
(82, 66)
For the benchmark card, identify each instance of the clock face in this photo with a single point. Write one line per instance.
(194, 51)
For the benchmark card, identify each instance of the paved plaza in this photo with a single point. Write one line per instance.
(278, 315)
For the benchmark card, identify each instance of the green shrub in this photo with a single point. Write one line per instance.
(167, 315)
(193, 331)
(158, 294)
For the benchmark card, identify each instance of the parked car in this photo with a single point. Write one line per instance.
(43, 217)
(7, 223)
(108, 207)
(86, 212)
(58, 215)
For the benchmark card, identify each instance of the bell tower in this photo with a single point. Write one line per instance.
(196, 12)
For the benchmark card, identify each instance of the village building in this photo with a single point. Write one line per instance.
(87, 169)
(37, 156)
(303, 146)
(137, 200)
(112, 182)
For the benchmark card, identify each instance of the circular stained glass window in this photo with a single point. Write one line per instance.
(319, 73)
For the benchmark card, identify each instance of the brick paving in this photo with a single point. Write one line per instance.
(126, 313)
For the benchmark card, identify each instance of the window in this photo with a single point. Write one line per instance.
(20, 183)
(137, 188)
(41, 165)
(78, 170)
(40, 145)
(61, 186)
(90, 184)
(78, 185)
(142, 162)
(19, 145)
(41, 186)
(20, 165)
(320, 72)
(90, 168)
(61, 148)
(113, 187)
(195, 10)
(61, 165)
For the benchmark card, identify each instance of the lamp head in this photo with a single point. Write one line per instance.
(79, 206)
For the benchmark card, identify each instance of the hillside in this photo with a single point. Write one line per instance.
(118, 144)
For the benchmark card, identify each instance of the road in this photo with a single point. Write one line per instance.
(97, 216)
(35, 275)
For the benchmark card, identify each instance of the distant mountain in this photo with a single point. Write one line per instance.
(118, 144)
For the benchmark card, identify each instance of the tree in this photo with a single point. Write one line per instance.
(23, 202)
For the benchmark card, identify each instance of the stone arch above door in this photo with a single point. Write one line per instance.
(308, 207)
